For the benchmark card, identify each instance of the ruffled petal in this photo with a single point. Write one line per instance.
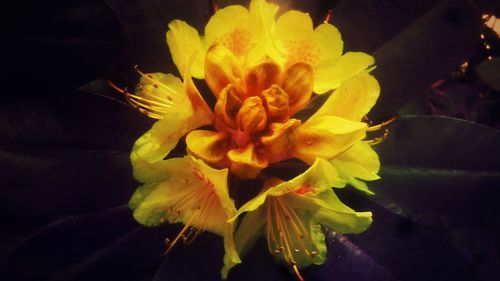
(332, 73)
(185, 45)
(358, 162)
(328, 210)
(278, 139)
(209, 146)
(276, 102)
(353, 99)
(227, 106)
(298, 84)
(246, 162)
(221, 68)
(326, 137)
(252, 116)
(261, 77)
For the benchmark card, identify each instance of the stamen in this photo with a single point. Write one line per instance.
(378, 140)
(328, 16)
(296, 270)
(381, 125)
(171, 246)
(153, 81)
(215, 6)
(123, 91)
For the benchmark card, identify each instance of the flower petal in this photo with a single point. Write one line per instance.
(187, 190)
(326, 137)
(184, 42)
(353, 99)
(358, 162)
(321, 175)
(276, 102)
(229, 28)
(328, 210)
(249, 230)
(227, 106)
(246, 162)
(278, 139)
(298, 84)
(209, 146)
(186, 111)
(334, 72)
(261, 77)
(221, 68)
(252, 116)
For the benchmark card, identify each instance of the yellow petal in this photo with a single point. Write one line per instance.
(320, 176)
(185, 111)
(279, 138)
(326, 137)
(252, 116)
(229, 28)
(298, 84)
(209, 146)
(227, 106)
(353, 99)
(249, 230)
(189, 188)
(184, 42)
(319, 48)
(156, 94)
(276, 102)
(326, 208)
(246, 162)
(262, 22)
(221, 68)
(261, 77)
(358, 162)
(334, 72)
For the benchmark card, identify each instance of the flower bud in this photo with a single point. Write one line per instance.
(252, 117)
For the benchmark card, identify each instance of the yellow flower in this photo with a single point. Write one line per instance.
(262, 70)
(290, 215)
(186, 190)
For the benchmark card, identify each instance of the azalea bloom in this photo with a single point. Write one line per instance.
(262, 70)
(290, 215)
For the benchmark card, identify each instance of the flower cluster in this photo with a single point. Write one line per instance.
(262, 69)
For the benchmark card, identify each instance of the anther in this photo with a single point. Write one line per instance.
(378, 140)
(167, 241)
(313, 254)
(296, 250)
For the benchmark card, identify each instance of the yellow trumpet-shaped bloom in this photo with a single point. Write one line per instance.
(290, 214)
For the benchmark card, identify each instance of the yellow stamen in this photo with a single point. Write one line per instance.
(381, 125)
(378, 140)
(171, 246)
(296, 270)
(156, 83)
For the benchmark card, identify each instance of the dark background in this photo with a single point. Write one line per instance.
(65, 137)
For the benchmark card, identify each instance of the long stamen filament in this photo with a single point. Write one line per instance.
(381, 125)
(296, 270)
(378, 140)
(171, 246)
